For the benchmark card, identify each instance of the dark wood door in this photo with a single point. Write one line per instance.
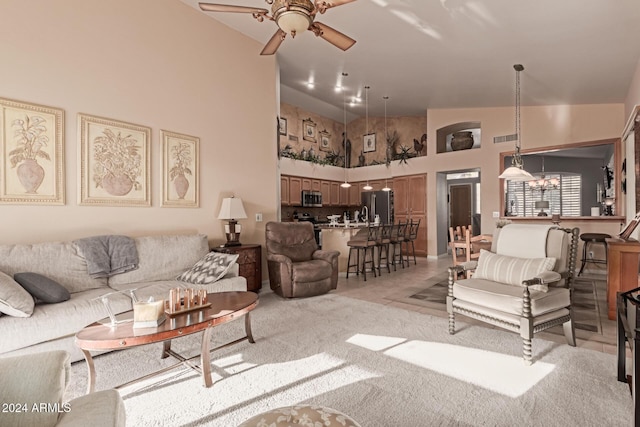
(460, 205)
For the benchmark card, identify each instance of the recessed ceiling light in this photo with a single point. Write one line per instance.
(311, 85)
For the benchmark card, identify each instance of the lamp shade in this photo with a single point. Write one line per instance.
(232, 208)
(514, 173)
(542, 204)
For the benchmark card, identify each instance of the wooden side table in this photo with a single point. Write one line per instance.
(250, 261)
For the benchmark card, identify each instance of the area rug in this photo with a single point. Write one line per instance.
(589, 295)
(381, 365)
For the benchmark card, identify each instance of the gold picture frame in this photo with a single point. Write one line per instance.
(114, 162)
(32, 153)
(309, 130)
(325, 141)
(180, 170)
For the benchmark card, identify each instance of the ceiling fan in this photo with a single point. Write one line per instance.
(292, 17)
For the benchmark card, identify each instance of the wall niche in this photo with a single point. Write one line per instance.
(459, 134)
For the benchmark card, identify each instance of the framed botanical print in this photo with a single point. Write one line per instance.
(309, 130)
(32, 153)
(114, 162)
(369, 142)
(325, 143)
(180, 170)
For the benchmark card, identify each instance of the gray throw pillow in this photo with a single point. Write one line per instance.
(42, 288)
(14, 300)
(210, 268)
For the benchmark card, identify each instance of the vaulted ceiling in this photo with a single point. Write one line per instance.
(426, 54)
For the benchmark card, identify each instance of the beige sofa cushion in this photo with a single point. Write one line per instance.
(163, 258)
(508, 298)
(38, 379)
(52, 321)
(59, 261)
(511, 270)
(14, 299)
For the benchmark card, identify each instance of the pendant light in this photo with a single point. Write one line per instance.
(367, 187)
(386, 182)
(516, 171)
(345, 184)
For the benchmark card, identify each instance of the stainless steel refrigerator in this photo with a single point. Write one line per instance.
(378, 203)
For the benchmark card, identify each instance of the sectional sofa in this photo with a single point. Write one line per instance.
(53, 326)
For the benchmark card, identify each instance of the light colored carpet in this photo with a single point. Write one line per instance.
(381, 365)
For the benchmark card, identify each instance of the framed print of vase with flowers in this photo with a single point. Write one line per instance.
(32, 154)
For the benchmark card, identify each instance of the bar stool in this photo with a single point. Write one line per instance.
(383, 243)
(364, 246)
(590, 239)
(410, 237)
(397, 238)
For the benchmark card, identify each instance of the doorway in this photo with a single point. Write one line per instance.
(459, 205)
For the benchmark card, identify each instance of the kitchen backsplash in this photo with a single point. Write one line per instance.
(289, 212)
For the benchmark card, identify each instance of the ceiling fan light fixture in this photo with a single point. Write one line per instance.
(293, 16)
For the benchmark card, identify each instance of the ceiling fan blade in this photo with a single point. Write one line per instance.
(274, 43)
(323, 5)
(333, 36)
(212, 7)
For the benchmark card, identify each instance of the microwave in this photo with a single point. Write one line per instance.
(311, 199)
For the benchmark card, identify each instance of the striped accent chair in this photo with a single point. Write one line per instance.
(523, 284)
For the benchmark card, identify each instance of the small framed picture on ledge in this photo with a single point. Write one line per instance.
(369, 143)
(309, 130)
(282, 126)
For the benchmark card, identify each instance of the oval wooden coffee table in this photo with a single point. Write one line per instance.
(225, 306)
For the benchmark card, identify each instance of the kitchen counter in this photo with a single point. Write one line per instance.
(342, 226)
(336, 238)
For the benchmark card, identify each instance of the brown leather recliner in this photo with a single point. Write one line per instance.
(297, 268)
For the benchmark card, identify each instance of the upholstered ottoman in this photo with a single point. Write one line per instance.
(301, 415)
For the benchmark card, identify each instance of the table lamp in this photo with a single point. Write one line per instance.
(232, 209)
(542, 205)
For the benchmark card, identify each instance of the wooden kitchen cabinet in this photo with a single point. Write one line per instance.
(295, 191)
(410, 203)
(316, 185)
(354, 194)
(325, 189)
(250, 263)
(334, 191)
(284, 191)
(306, 184)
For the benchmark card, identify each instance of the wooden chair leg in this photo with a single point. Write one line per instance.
(526, 351)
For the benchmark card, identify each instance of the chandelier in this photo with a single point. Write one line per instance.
(543, 183)
(516, 171)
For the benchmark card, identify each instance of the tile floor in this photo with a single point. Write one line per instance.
(396, 288)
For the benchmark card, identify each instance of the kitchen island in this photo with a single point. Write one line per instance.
(335, 238)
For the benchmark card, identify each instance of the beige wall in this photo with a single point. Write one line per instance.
(541, 127)
(633, 96)
(157, 63)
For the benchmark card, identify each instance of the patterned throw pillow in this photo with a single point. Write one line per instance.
(210, 268)
(511, 270)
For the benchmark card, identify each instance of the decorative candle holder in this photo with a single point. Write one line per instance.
(183, 301)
